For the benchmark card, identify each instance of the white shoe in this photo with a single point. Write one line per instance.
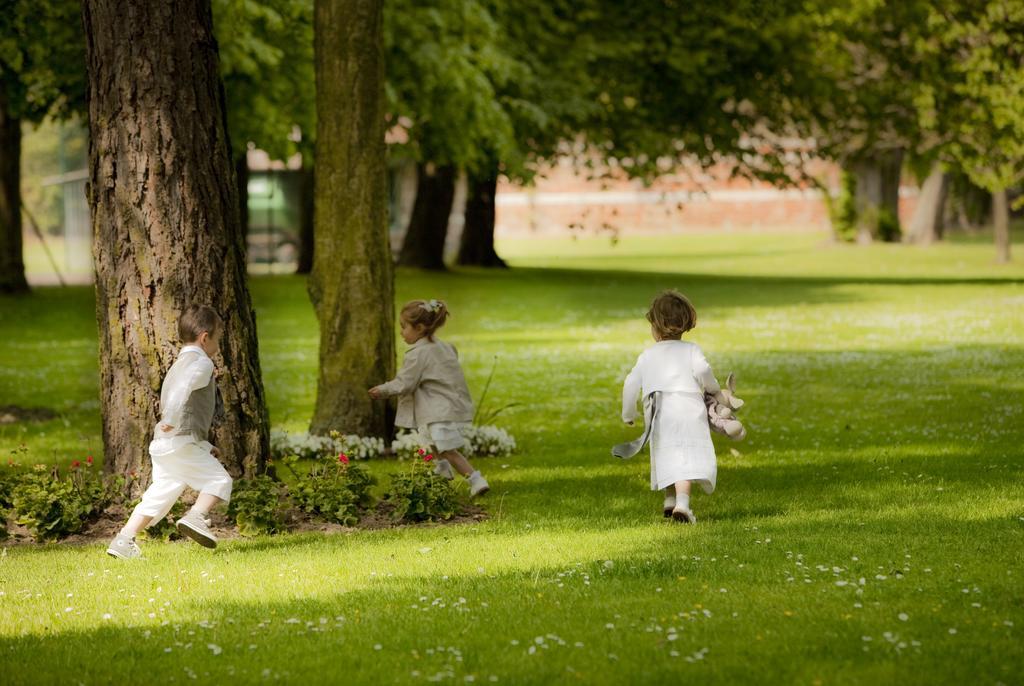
(198, 529)
(444, 468)
(477, 484)
(670, 504)
(124, 547)
(683, 515)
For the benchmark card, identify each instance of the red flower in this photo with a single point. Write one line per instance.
(88, 460)
(75, 464)
(421, 451)
(428, 458)
(343, 458)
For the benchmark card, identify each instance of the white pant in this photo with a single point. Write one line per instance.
(189, 465)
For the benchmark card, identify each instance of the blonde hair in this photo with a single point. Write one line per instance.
(671, 315)
(430, 314)
(197, 319)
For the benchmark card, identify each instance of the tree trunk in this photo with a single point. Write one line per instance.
(423, 246)
(876, 197)
(242, 175)
(971, 204)
(476, 247)
(352, 283)
(1001, 224)
(307, 219)
(12, 261)
(926, 224)
(164, 203)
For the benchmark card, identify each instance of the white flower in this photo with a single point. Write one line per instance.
(214, 648)
(481, 441)
(408, 444)
(489, 440)
(308, 447)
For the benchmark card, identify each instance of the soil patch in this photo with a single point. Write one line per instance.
(12, 414)
(106, 526)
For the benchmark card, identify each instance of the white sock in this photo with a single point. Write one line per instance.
(683, 502)
(475, 475)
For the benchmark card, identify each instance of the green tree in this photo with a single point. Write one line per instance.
(971, 96)
(548, 102)
(352, 283)
(863, 111)
(165, 223)
(266, 49)
(42, 73)
(445, 70)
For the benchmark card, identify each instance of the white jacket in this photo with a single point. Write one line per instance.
(430, 385)
(671, 366)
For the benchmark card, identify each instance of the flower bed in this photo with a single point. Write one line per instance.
(482, 441)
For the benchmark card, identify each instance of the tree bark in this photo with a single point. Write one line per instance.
(476, 248)
(307, 222)
(352, 283)
(12, 261)
(423, 246)
(926, 225)
(242, 175)
(876, 197)
(165, 208)
(1001, 225)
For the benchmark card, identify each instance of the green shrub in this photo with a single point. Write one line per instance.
(842, 209)
(8, 477)
(888, 226)
(256, 505)
(337, 491)
(419, 495)
(52, 507)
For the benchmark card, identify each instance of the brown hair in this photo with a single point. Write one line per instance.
(430, 314)
(197, 319)
(671, 315)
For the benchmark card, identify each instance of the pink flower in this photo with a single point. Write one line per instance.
(343, 458)
(428, 458)
(421, 451)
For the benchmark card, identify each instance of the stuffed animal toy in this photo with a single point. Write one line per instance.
(721, 406)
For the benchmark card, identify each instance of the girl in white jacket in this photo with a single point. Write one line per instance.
(672, 376)
(432, 393)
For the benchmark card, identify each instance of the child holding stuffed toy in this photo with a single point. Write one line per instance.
(432, 393)
(673, 377)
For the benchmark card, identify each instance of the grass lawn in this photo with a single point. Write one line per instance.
(870, 529)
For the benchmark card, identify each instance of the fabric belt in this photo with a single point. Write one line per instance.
(631, 448)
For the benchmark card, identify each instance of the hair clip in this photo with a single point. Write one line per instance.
(431, 305)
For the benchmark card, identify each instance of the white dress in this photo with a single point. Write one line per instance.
(681, 447)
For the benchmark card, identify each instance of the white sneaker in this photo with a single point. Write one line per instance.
(124, 547)
(198, 529)
(477, 484)
(444, 468)
(683, 515)
(670, 504)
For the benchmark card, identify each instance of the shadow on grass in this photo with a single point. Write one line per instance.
(386, 627)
